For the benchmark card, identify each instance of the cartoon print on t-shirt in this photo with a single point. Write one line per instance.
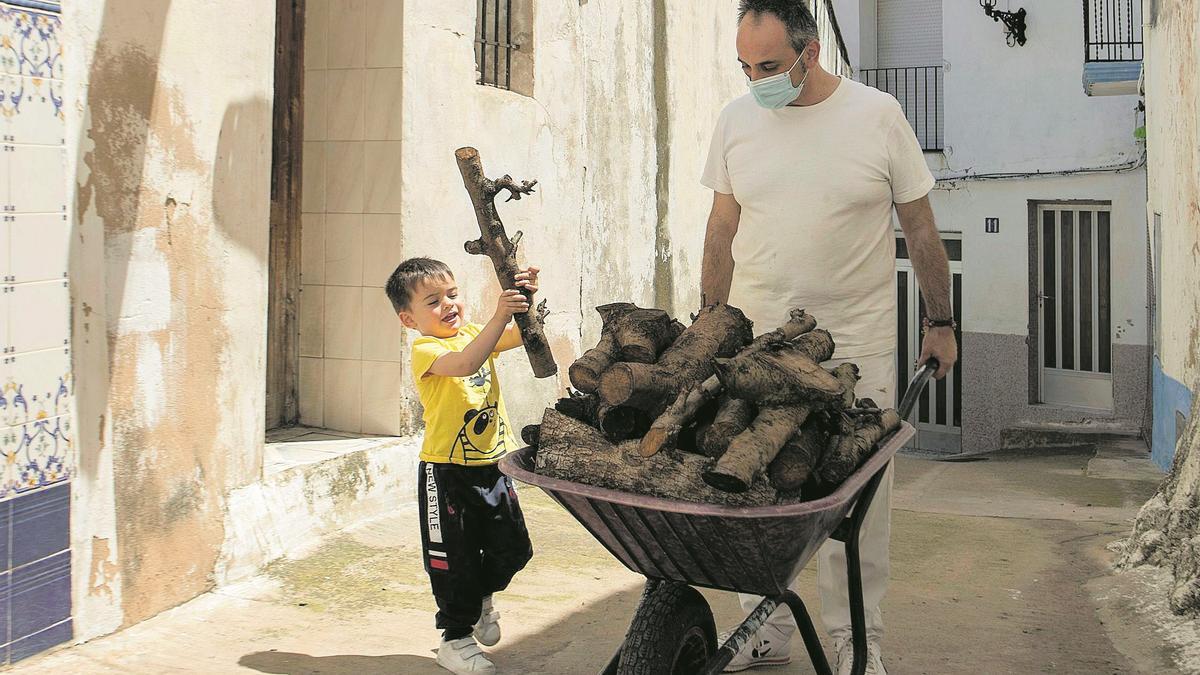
(482, 435)
(481, 378)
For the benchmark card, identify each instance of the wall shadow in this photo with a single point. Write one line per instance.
(581, 642)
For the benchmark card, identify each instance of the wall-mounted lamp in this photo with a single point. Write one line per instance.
(1014, 22)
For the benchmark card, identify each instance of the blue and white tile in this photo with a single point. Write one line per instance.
(32, 110)
(38, 180)
(41, 641)
(32, 41)
(39, 316)
(45, 455)
(10, 471)
(39, 386)
(40, 245)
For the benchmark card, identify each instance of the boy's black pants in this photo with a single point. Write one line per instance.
(473, 537)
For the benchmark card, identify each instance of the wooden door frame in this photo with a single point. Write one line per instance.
(287, 143)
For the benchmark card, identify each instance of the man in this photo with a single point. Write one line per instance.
(806, 170)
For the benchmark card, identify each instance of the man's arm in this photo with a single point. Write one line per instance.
(928, 256)
(716, 267)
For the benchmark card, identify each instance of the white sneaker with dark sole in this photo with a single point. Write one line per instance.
(487, 630)
(845, 658)
(464, 657)
(769, 647)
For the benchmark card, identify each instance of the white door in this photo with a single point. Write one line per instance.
(938, 418)
(1074, 308)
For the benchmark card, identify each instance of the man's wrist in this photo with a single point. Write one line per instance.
(928, 324)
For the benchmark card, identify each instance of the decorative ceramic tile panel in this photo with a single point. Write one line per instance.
(30, 40)
(36, 386)
(31, 110)
(39, 316)
(40, 245)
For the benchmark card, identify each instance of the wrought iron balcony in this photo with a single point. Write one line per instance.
(1112, 30)
(919, 91)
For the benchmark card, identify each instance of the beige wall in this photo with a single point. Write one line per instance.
(1173, 148)
(169, 139)
(597, 134)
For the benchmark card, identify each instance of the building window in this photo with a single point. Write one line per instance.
(503, 45)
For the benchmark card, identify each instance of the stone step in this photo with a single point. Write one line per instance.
(1029, 436)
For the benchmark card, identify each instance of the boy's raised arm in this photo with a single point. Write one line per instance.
(468, 361)
(528, 280)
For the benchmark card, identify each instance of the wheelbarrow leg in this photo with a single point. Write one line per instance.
(811, 641)
(848, 534)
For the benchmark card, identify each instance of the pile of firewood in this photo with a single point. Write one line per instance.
(706, 413)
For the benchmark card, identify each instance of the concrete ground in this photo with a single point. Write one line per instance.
(999, 565)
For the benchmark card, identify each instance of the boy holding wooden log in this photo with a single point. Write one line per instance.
(472, 531)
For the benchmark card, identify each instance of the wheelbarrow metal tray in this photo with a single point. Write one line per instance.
(756, 550)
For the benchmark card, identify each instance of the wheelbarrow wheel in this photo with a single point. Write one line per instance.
(672, 633)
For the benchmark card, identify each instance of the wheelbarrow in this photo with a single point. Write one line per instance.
(680, 545)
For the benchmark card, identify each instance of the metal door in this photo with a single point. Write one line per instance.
(938, 418)
(1074, 308)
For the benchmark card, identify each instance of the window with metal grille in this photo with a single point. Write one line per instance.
(501, 57)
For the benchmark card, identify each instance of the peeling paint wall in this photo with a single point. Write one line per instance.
(171, 152)
(1172, 67)
(624, 98)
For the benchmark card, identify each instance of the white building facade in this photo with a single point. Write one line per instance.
(1041, 200)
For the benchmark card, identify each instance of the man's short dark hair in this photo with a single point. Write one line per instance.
(800, 24)
(408, 274)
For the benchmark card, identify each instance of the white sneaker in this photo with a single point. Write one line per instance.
(768, 647)
(464, 657)
(487, 630)
(845, 657)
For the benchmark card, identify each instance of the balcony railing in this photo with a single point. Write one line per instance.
(1112, 30)
(837, 60)
(919, 91)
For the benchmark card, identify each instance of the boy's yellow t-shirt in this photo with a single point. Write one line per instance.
(465, 419)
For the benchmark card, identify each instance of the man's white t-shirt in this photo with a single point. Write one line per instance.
(816, 186)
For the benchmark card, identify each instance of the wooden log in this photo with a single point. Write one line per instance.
(586, 371)
(718, 331)
(643, 334)
(664, 433)
(529, 434)
(754, 449)
(583, 407)
(622, 422)
(732, 418)
(783, 374)
(799, 456)
(846, 452)
(571, 450)
(504, 253)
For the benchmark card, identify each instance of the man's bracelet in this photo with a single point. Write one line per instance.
(927, 323)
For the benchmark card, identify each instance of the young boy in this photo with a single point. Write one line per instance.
(472, 530)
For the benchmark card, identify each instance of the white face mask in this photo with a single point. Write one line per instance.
(777, 91)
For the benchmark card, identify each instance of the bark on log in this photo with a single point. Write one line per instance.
(755, 448)
(847, 452)
(506, 257)
(664, 433)
(573, 451)
(643, 334)
(586, 371)
(799, 456)
(784, 374)
(733, 417)
(583, 407)
(719, 331)
(621, 422)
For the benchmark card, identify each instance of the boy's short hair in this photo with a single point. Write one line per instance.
(408, 274)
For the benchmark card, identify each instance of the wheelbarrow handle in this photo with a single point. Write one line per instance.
(916, 386)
